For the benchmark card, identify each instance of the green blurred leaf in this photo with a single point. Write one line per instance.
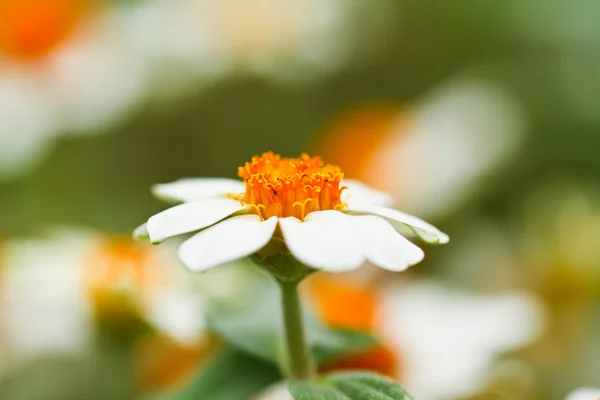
(350, 386)
(232, 375)
(328, 344)
(256, 326)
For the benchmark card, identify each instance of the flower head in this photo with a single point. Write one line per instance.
(327, 222)
(291, 187)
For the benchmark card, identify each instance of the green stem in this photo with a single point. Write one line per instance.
(299, 361)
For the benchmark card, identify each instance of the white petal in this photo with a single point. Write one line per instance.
(358, 192)
(424, 230)
(384, 246)
(196, 189)
(229, 240)
(189, 217)
(325, 240)
(141, 232)
(584, 394)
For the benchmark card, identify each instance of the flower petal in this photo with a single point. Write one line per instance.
(141, 232)
(364, 194)
(384, 246)
(189, 217)
(424, 230)
(325, 240)
(196, 189)
(229, 240)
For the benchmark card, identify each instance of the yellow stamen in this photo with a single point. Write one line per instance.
(291, 187)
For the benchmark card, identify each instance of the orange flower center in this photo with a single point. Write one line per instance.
(291, 187)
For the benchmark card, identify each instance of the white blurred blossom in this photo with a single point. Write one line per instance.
(55, 289)
(449, 340)
(456, 136)
(436, 153)
(123, 55)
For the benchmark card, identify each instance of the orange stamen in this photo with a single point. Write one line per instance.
(291, 187)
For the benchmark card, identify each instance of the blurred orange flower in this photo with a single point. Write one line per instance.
(355, 138)
(342, 304)
(32, 29)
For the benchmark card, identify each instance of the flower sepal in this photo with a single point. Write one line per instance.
(277, 260)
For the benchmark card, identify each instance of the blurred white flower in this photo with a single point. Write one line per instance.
(584, 394)
(327, 223)
(440, 344)
(117, 56)
(94, 78)
(441, 147)
(43, 299)
(270, 36)
(449, 340)
(56, 288)
(84, 85)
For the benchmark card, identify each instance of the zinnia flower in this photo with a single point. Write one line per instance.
(326, 222)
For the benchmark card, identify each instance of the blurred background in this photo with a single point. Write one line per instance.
(481, 117)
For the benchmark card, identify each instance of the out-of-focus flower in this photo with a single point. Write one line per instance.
(44, 305)
(450, 339)
(561, 263)
(73, 67)
(440, 344)
(584, 394)
(327, 222)
(31, 29)
(163, 365)
(564, 261)
(439, 148)
(549, 248)
(30, 32)
(56, 290)
(81, 84)
(286, 39)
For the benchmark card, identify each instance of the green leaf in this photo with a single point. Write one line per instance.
(350, 386)
(232, 375)
(255, 325)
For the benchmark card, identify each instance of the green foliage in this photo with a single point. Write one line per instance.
(255, 326)
(350, 386)
(232, 375)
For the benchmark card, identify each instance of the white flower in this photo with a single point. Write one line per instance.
(449, 340)
(55, 288)
(584, 394)
(443, 146)
(326, 222)
(43, 307)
